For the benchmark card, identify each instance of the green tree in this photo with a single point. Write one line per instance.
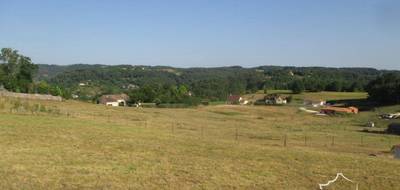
(43, 88)
(385, 89)
(335, 86)
(56, 91)
(297, 86)
(17, 71)
(182, 90)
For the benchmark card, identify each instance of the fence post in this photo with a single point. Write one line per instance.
(305, 140)
(362, 140)
(173, 127)
(236, 133)
(333, 141)
(285, 140)
(202, 131)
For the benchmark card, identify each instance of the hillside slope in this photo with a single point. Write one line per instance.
(74, 145)
(211, 83)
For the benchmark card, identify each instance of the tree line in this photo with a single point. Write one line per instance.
(166, 94)
(214, 84)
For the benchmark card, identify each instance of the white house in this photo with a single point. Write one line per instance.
(114, 100)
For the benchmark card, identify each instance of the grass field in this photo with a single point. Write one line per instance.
(299, 98)
(74, 145)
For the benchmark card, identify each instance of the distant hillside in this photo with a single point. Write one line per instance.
(50, 71)
(212, 83)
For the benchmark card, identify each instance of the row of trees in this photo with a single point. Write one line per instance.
(300, 85)
(163, 94)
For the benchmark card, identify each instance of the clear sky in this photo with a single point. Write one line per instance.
(205, 33)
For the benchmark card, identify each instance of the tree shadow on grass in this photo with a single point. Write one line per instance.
(361, 104)
(384, 132)
(374, 132)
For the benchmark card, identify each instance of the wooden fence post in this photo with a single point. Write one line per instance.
(236, 133)
(333, 141)
(362, 140)
(305, 140)
(285, 140)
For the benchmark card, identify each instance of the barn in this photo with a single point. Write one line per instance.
(114, 99)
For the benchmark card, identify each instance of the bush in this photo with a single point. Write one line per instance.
(289, 99)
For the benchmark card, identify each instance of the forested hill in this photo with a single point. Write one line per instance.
(212, 83)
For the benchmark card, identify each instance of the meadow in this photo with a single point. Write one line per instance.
(76, 145)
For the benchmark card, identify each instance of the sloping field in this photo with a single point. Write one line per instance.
(74, 145)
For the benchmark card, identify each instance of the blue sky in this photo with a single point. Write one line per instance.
(205, 33)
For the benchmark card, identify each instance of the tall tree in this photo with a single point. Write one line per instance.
(385, 89)
(297, 86)
(17, 71)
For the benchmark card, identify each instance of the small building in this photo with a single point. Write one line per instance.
(334, 110)
(370, 124)
(393, 128)
(390, 116)
(275, 99)
(114, 99)
(236, 99)
(396, 151)
(314, 103)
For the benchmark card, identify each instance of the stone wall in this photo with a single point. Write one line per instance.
(31, 96)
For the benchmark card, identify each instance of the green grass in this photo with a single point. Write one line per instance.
(299, 98)
(86, 146)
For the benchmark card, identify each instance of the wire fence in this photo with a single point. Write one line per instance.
(356, 142)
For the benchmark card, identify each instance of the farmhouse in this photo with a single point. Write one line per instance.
(396, 151)
(393, 128)
(114, 99)
(236, 99)
(334, 110)
(275, 99)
